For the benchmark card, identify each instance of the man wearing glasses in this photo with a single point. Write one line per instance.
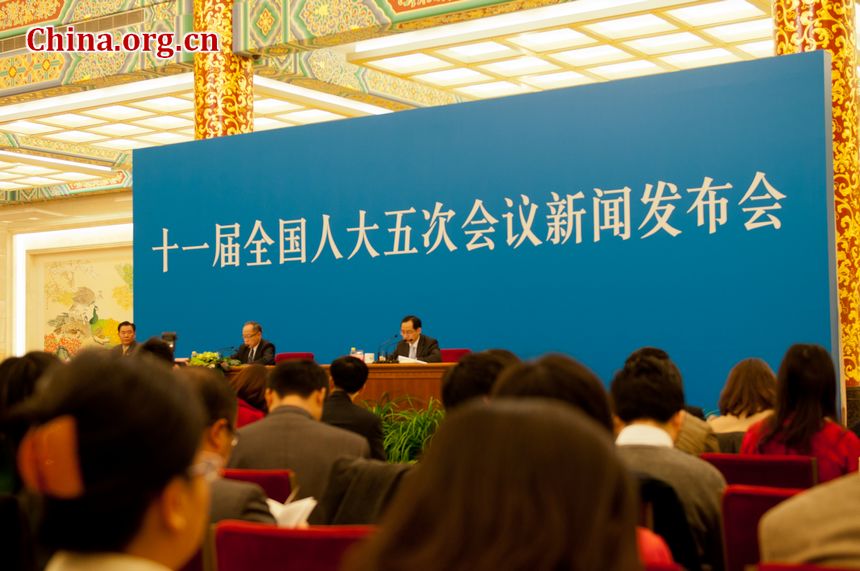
(254, 348)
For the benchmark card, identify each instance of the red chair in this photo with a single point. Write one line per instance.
(453, 355)
(797, 567)
(775, 471)
(240, 546)
(663, 567)
(293, 357)
(743, 507)
(278, 484)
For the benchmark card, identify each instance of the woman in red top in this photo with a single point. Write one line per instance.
(802, 421)
(250, 387)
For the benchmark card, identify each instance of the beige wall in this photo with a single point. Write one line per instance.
(71, 213)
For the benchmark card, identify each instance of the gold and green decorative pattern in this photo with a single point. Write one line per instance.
(223, 81)
(807, 25)
(118, 181)
(327, 70)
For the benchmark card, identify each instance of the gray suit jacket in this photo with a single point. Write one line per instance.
(289, 438)
(232, 499)
(819, 526)
(117, 349)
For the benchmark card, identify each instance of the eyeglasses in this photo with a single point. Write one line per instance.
(208, 467)
(250, 335)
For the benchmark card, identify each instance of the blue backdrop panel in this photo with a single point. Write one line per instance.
(690, 211)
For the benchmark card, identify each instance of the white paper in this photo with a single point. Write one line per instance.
(404, 359)
(293, 514)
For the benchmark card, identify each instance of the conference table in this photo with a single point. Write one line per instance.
(410, 385)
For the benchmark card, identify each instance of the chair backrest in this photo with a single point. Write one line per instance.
(797, 567)
(276, 483)
(663, 513)
(743, 507)
(453, 355)
(775, 471)
(240, 546)
(663, 567)
(294, 357)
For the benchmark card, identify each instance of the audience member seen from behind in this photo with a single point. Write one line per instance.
(561, 378)
(250, 387)
(649, 404)
(695, 435)
(18, 378)
(560, 499)
(802, 423)
(349, 375)
(231, 499)
(114, 453)
(819, 526)
(158, 348)
(747, 397)
(472, 377)
(291, 436)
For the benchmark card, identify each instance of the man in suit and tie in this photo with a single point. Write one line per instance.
(230, 499)
(349, 376)
(254, 348)
(292, 436)
(415, 345)
(127, 339)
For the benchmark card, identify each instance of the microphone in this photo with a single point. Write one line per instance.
(386, 345)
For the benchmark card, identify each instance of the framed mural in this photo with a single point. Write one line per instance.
(77, 298)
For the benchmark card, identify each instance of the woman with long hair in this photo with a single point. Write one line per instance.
(250, 387)
(747, 397)
(518, 485)
(113, 453)
(803, 420)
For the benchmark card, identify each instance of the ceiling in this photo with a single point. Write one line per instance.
(574, 43)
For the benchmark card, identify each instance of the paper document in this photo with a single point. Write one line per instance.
(293, 514)
(403, 359)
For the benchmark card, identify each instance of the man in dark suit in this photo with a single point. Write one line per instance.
(414, 344)
(127, 339)
(230, 499)
(254, 349)
(291, 436)
(349, 376)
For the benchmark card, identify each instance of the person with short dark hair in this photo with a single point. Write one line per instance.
(231, 499)
(254, 349)
(649, 403)
(473, 376)
(510, 484)
(747, 397)
(291, 436)
(415, 345)
(696, 436)
(560, 378)
(802, 423)
(127, 339)
(349, 375)
(157, 348)
(114, 453)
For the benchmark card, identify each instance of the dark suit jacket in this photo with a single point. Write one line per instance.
(232, 499)
(289, 438)
(118, 349)
(340, 411)
(428, 349)
(265, 354)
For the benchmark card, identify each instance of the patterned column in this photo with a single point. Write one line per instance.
(807, 25)
(223, 81)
